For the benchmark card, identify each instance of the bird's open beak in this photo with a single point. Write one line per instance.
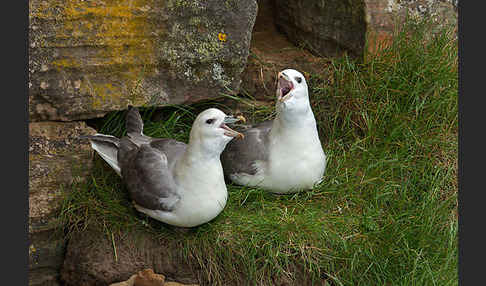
(284, 87)
(230, 132)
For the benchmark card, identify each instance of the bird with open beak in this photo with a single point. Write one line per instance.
(283, 155)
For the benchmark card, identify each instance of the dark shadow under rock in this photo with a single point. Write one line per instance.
(326, 28)
(270, 52)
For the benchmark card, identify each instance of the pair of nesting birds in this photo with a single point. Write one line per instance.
(183, 184)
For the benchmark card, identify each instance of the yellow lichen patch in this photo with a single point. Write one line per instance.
(222, 37)
(32, 249)
(103, 93)
(65, 63)
(120, 38)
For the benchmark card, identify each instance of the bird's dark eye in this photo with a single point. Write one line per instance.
(209, 121)
(298, 79)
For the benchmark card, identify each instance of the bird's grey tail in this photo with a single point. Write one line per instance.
(107, 147)
(133, 121)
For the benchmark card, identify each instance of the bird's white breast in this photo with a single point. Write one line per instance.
(296, 160)
(203, 195)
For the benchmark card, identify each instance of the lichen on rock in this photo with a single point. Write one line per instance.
(91, 57)
(55, 157)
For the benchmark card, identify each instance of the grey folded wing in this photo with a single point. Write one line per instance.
(133, 121)
(173, 149)
(146, 174)
(240, 155)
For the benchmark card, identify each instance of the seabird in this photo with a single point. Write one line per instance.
(173, 182)
(283, 155)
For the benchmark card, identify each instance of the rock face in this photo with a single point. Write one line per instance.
(383, 16)
(90, 57)
(147, 277)
(54, 153)
(324, 27)
(91, 261)
(330, 27)
(90, 258)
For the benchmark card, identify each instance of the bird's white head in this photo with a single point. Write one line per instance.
(210, 132)
(292, 92)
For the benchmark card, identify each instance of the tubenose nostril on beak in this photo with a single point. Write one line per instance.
(229, 119)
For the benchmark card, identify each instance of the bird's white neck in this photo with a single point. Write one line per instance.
(294, 124)
(201, 164)
(201, 153)
(204, 149)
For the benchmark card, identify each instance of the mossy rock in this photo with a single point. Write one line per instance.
(57, 158)
(87, 58)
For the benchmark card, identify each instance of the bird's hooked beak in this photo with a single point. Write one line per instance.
(284, 87)
(230, 132)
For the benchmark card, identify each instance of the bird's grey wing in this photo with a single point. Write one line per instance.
(133, 121)
(240, 155)
(173, 149)
(134, 127)
(147, 176)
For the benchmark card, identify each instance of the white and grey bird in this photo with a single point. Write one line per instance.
(173, 182)
(283, 155)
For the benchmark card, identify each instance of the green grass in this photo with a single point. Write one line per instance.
(386, 212)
